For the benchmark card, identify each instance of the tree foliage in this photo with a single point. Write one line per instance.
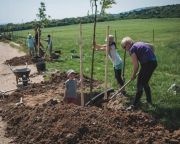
(42, 17)
(104, 4)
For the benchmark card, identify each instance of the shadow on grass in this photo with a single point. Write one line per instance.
(170, 117)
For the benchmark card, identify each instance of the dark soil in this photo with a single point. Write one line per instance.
(54, 122)
(57, 123)
(19, 61)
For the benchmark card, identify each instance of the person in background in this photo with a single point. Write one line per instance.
(37, 43)
(70, 95)
(142, 53)
(36, 40)
(115, 58)
(49, 40)
(30, 44)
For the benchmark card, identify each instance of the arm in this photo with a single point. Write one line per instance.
(100, 47)
(135, 66)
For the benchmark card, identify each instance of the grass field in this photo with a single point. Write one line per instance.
(167, 49)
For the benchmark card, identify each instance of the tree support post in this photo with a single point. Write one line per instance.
(81, 65)
(93, 49)
(106, 62)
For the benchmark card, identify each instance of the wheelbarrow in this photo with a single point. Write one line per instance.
(22, 75)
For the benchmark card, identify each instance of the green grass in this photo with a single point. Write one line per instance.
(167, 48)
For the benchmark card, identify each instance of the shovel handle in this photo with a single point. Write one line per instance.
(120, 89)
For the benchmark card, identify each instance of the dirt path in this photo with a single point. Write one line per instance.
(8, 79)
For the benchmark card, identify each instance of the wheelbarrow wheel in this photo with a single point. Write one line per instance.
(25, 80)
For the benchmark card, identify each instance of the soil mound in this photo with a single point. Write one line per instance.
(16, 61)
(57, 123)
(54, 122)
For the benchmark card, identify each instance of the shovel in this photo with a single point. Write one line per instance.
(120, 90)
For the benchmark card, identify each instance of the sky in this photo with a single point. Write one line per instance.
(21, 11)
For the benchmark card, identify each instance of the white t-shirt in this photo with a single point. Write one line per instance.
(115, 57)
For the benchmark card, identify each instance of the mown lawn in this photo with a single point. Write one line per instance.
(167, 48)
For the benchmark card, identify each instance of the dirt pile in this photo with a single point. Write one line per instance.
(51, 121)
(16, 61)
(58, 123)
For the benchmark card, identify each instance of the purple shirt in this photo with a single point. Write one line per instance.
(143, 52)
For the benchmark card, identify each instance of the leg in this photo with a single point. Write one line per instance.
(150, 67)
(118, 77)
(147, 90)
(35, 48)
(30, 51)
(50, 50)
(139, 91)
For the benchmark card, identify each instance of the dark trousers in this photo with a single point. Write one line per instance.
(144, 76)
(118, 77)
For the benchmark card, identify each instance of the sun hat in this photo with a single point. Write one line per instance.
(110, 36)
(29, 35)
(70, 72)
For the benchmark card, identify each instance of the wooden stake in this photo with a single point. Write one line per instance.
(153, 35)
(115, 38)
(94, 38)
(38, 42)
(106, 62)
(124, 65)
(81, 65)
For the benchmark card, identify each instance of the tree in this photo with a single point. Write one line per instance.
(104, 5)
(43, 19)
(42, 22)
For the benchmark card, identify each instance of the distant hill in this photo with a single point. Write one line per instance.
(169, 11)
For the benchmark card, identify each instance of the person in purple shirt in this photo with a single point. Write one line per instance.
(142, 53)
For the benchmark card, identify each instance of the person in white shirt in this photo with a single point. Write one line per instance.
(114, 57)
